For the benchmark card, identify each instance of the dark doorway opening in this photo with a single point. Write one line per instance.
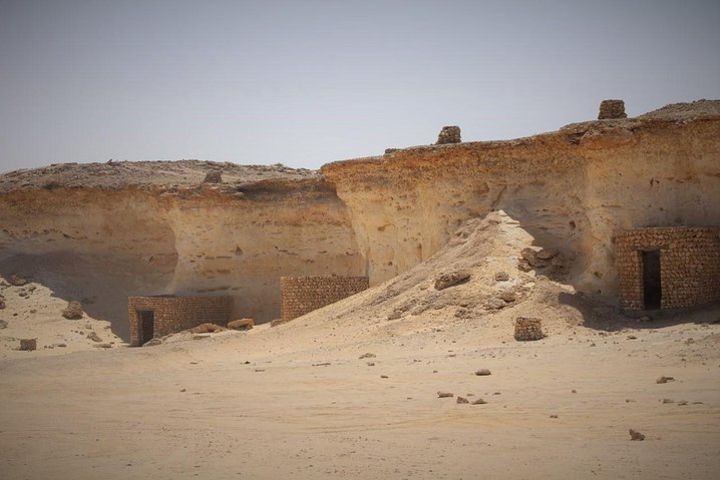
(652, 286)
(147, 325)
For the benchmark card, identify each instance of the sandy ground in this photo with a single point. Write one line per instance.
(263, 404)
(298, 401)
(33, 311)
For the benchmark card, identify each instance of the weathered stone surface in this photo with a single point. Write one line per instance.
(213, 176)
(172, 314)
(451, 279)
(301, 295)
(689, 265)
(73, 311)
(449, 134)
(28, 344)
(611, 109)
(241, 324)
(528, 329)
(207, 328)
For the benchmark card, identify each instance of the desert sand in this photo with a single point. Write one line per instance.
(305, 400)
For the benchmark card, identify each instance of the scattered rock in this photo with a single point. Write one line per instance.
(102, 345)
(3, 324)
(276, 322)
(668, 400)
(370, 364)
(451, 279)
(482, 372)
(242, 324)
(682, 403)
(323, 364)
(201, 336)
(384, 376)
(479, 401)
(59, 345)
(449, 134)
(462, 400)
(152, 342)
(28, 344)
(636, 436)
(73, 311)
(2, 304)
(553, 416)
(17, 280)
(502, 276)
(664, 379)
(183, 390)
(366, 355)
(213, 176)
(631, 337)
(94, 337)
(445, 394)
(207, 328)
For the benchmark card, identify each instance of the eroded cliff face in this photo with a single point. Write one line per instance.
(570, 189)
(100, 246)
(102, 232)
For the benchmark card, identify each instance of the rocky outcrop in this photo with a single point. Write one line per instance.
(103, 232)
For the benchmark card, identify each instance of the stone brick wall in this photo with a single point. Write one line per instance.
(301, 295)
(173, 314)
(689, 265)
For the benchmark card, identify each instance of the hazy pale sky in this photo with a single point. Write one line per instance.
(308, 82)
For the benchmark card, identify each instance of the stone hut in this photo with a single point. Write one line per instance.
(670, 267)
(161, 315)
(301, 295)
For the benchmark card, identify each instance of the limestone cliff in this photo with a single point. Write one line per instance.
(101, 232)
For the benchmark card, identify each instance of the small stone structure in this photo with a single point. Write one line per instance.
(668, 267)
(612, 109)
(301, 295)
(161, 315)
(449, 134)
(527, 329)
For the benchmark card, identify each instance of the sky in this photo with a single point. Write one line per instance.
(304, 83)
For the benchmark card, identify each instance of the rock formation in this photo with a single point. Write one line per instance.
(108, 231)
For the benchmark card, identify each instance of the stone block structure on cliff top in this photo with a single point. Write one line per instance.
(672, 267)
(152, 317)
(612, 109)
(301, 295)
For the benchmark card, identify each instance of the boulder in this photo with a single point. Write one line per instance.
(73, 311)
(451, 279)
(242, 324)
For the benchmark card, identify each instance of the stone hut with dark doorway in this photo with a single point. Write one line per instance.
(668, 267)
(156, 316)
